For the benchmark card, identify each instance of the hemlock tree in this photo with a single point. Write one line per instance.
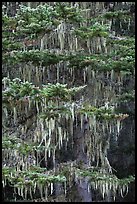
(68, 71)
